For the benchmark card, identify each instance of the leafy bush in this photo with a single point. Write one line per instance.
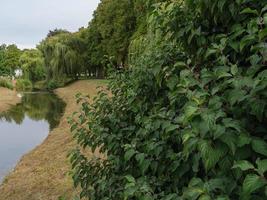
(6, 83)
(51, 85)
(190, 122)
(23, 85)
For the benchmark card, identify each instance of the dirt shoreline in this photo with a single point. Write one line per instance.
(43, 173)
(7, 99)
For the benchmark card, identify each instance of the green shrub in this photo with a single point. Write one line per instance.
(190, 122)
(51, 85)
(6, 83)
(54, 84)
(23, 85)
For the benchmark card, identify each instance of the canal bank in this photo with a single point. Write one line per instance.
(7, 99)
(44, 172)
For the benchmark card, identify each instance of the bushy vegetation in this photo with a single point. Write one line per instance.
(24, 85)
(188, 119)
(6, 83)
(29, 61)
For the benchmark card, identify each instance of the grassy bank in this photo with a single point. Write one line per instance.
(7, 99)
(43, 174)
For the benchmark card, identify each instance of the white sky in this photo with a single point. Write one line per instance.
(27, 22)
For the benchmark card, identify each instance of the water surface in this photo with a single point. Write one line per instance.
(26, 125)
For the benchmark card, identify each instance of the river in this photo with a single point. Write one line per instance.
(26, 125)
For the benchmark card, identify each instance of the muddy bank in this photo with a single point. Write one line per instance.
(7, 99)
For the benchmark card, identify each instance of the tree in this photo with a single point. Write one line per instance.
(63, 56)
(55, 32)
(32, 64)
(9, 59)
(111, 29)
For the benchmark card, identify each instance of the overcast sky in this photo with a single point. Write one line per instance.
(27, 22)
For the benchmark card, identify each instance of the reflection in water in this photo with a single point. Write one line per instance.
(26, 125)
(37, 106)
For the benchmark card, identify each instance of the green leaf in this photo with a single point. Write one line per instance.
(249, 11)
(193, 193)
(234, 69)
(236, 95)
(243, 140)
(244, 165)
(210, 155)
(205, 197)
(130, 179)
(263, 34)
(221, 4)
(264, 9)
(247, 40)
(258, 108)
(145, 165)
(259, 146)
(129, 154)
(190, 111)
(140, 158)
(180, 65)
(171, 128)
(210, 52)
(262, 166)
(252, 183)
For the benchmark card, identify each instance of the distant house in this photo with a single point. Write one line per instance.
(18, 73)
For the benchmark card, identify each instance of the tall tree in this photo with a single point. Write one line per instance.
(32, 64)
(63, 56)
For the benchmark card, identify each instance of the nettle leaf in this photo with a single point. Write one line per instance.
(193, 193)
(244, 165)
(145, 165)
(210, 155)
(243, 140)
(249, 11)
(172, 82)
(262, 166)
(247, 40)
(263, 34)
(234, 69)
(236, 96)
(180, 65)
(130, 179)
(140, 158)
(259, 146)
(258, 108)
(129, 154)
(190, 110)
(252, 183)
(230, 139)
(211, 52)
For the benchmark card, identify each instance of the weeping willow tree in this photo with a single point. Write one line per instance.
(63, 56)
